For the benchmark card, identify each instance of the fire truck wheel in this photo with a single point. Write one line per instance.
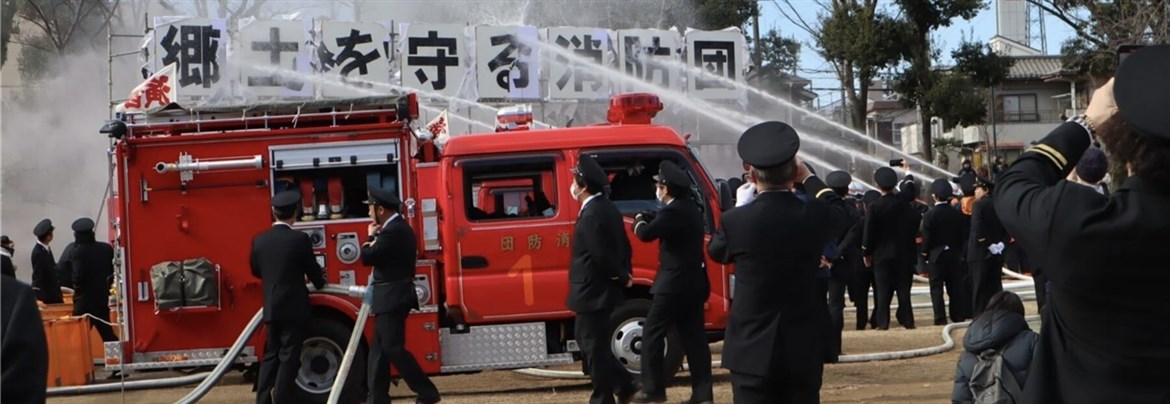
(321, 355)
(626, 344)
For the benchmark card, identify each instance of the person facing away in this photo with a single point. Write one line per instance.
(93, 270)
(7, 248)
(1104, 338)
(1091, 169)
(282, 258)
(888, 245)
(44, 276)
(775, 333)
(845, 267)
(392, 249)
(599, 271)
(942, 239)
(25, 366)
(680, 287)
(1001, 327)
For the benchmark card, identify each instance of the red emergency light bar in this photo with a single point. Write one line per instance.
(633, 109)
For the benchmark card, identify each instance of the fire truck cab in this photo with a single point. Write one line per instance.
(492, 213)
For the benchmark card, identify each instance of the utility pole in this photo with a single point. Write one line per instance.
(757, 56)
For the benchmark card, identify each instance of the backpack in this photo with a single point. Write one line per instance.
(991, 381)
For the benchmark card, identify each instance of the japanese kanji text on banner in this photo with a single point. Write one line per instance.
(507, 66)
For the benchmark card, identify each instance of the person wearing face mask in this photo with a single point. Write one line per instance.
(775, 333)
(680, 287)
(599, 272)
(392, 249)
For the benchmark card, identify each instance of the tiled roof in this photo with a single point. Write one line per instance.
(1035, 67)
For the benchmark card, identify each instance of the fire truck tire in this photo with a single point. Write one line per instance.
(321, 354)
(627, 322)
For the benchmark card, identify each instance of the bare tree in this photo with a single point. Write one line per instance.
(1102, 26)
(63, 24)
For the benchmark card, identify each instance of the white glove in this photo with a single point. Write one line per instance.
(995, 249)
(745, 194)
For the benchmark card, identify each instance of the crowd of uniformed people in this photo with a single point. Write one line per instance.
(799, 245)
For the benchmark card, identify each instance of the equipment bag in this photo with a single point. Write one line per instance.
(193, 282)
(991, 381)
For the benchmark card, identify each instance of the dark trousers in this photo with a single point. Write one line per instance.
(96, 306)
(282, 361)
(685, 314)
(389, 348)
(606, 374)
(774, 389)
(892, 276)
(986, 280)
(837, 317)
(946, 275)
(860, 283)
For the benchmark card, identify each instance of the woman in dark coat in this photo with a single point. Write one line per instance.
(1001, 326)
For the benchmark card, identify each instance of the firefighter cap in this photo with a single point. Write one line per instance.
(885, 177)
(870, 196)
(768, 144)
(383, 197)
(83, 225)
(967, 184)
(45, 226)
(942, 189)
(286, 200)
(1142, 91)
(838, 179)
(5, 240)
(670, 174)
(588, 169)
(982, 182)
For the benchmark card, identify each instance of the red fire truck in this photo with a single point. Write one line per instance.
(492, 213)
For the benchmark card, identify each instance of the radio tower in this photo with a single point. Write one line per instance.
(1035, 30)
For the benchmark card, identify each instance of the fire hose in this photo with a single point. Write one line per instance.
(208, 379)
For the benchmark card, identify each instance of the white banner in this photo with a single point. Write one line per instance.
(353, 57)
(721, 54)
(655, 56)
(154, 94)
(432, 58)
(570, 79)
(507, 63)
(198, 48)
(273, 58)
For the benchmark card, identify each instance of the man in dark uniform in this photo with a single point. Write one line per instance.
(598, 273)
(22, 344)
(680, 287)
(65, 266)
(44, 276)
(1104, 338)
(392, 249)
(283, 257)
(93, 271)
(7, 248)
(865, 284)
(885, 243)
(846, 267)
(985, 248)
(775, 333)
(942, 239)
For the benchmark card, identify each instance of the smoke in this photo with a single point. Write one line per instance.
(52, 159)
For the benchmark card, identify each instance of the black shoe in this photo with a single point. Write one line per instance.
(625, 395)
(692, 401)
(940, 322)
(644, 397)
(427, 400)
(910, 327)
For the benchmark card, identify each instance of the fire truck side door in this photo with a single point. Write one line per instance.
(514, 239)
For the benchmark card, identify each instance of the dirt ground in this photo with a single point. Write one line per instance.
(919, 380)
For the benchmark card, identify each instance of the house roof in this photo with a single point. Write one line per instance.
(1036, 67)
(884, 105)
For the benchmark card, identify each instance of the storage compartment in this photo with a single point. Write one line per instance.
(334, 180)
(422, 340)
(185, 285)
(70, 352)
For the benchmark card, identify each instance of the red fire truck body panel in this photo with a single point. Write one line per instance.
(492, 213)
